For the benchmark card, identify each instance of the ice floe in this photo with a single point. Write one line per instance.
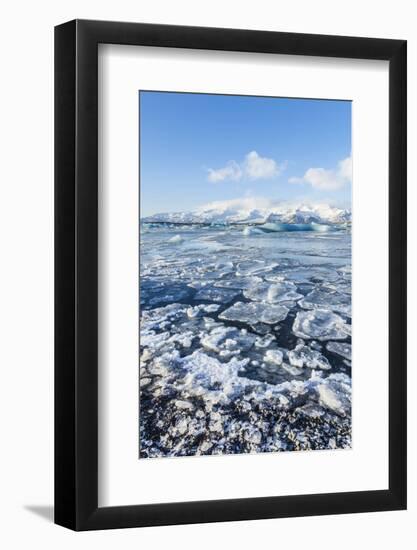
(340, 348)
(303, 356)
(257, 312)
(320, 324)
(273, 293)
(227, 341)
(177, 239)
(220, 295)
(335, 301)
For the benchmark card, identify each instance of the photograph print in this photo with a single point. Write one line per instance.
(245, 274)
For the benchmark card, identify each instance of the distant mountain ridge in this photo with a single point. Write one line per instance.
(284, 213)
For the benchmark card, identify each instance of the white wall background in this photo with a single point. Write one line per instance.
(26, 288)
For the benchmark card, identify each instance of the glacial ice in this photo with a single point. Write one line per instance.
(320, 324)
(290, 227)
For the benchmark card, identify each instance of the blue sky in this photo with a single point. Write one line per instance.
(196, 149)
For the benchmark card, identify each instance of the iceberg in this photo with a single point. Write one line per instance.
(283, 227)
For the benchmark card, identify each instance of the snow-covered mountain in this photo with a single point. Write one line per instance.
(282, 213)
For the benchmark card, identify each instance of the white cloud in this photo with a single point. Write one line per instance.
(231, 171)
(328, 180)
(257, 167)
(345, 168)
(254, 167)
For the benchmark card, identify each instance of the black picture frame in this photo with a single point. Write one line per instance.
(76, 272)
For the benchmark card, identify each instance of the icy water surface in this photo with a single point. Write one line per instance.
(245, 340)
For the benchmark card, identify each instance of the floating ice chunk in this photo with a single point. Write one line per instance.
(340, 348)
(220, 295)
(149, 338)
(183, 405)
(303, 356)
(227, 340)
(163, 341)
(260, 328)
(294, 371)
(203, 246)
(161, 316)
(330, 398)
(177, 239)
(275, 278)
(311, 410)
(184, 339)
(248, 231)
(252, 435)
(181, 426)
(341, 285)
(335, 301)
(335, 393)
(201, 309)
(208, 373)
(255, 312)
(346, 271)
(240, 283)
(264, 341)
(315, 345)
(274, 356)
(320, 324)
(253, 267)
(273, 293)
(270, 227)
(161, 365)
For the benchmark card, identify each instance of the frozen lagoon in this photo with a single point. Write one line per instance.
(245, 340)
